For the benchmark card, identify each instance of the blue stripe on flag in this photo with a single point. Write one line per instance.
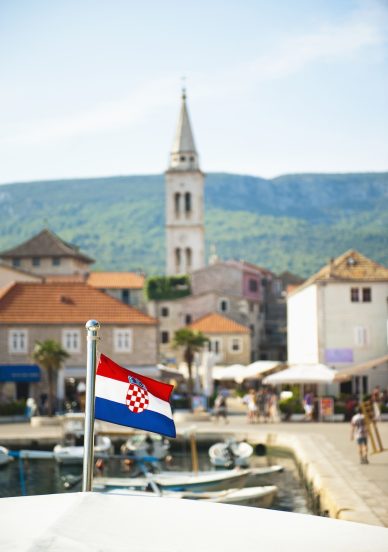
(116, 413)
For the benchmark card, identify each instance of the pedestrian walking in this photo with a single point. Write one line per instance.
(221, 407)
(359, 431)
(250, 401)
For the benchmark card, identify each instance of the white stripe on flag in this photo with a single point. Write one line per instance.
(114, 390)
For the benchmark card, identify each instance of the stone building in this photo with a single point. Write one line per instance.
(229, 341)
(46, 253)
(128, 287)
(31, 312)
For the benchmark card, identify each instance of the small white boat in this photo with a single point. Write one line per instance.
(72, 452)
(5, 458)
(261, 497)
(257, 475)
(141, 445)
(177, 481)
(230, 453)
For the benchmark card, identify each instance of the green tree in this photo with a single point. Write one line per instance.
(192, 342)
(49, 355)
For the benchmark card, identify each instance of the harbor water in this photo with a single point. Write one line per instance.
(33, 477)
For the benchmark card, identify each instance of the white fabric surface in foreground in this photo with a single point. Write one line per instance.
(91, 522)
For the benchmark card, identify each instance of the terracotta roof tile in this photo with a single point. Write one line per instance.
(64, 278)
(351, 266)
(215, 323)
(46, 244)
(73, 303)
(120, 280)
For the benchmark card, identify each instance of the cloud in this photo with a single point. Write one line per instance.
(364, 28)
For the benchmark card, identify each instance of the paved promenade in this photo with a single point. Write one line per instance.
(328, 458)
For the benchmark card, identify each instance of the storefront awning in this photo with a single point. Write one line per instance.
(19, 373)
(346, 373)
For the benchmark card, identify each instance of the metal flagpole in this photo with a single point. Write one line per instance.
(92, 327)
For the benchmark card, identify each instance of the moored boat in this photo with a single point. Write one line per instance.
(5, 458)
(142, 445)
(230, 453)
(73, 453)
(178, 481)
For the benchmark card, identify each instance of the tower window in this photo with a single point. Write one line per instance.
(164, 311)
(177, 203)
(35, 261)
(15, 262)
(187, 202)
(177, 260)
(56, 261)
(192, 158)
(188, 258)
(183, 158)
(165, 337)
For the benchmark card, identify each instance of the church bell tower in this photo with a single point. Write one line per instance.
(185, 236)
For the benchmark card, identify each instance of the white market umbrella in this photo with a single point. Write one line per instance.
(302, 373)
(227, 373)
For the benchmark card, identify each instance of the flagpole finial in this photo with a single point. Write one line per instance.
(92, 325)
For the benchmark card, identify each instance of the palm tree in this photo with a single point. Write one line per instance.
(192, 342)
(49, 355)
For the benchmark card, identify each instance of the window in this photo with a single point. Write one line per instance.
(361, 336)
(177, 203)
(223, 305)
(122, 340)
(187, 203)
(215, 345)
(71, 341)
(18, 341)
(177, 260)
(235, 345)
(35, 261)
(165, 312)
(15, 262)
(183, 158)
(125, 296)
(188, 319)
(366, 295)
(253, 285)
(188, 258)
(56, 261)
(165, 337)
(354, 295)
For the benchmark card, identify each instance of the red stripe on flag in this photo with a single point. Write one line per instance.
(108, 368)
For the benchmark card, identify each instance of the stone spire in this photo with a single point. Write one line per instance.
(184, 156)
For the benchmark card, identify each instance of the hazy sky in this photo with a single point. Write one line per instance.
(92, 87)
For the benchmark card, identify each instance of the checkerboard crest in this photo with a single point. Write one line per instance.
(137, 396)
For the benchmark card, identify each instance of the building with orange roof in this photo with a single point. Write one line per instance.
(228, 340)
(338, 317)
(128, 287)
(46, 253)
(31, 312)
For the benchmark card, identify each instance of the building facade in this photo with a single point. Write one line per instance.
(31, 312)
(338, 317)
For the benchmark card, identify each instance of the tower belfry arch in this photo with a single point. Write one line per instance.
(185, 236)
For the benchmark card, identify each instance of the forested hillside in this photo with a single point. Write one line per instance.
(294, 222)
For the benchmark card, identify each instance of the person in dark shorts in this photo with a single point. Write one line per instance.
(359, 431)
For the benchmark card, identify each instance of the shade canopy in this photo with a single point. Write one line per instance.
(239, 373)
(302, 373)
(357, 369)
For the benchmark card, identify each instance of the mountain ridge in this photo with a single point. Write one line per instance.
(291, 222)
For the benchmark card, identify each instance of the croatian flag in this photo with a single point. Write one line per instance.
(129, 399)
